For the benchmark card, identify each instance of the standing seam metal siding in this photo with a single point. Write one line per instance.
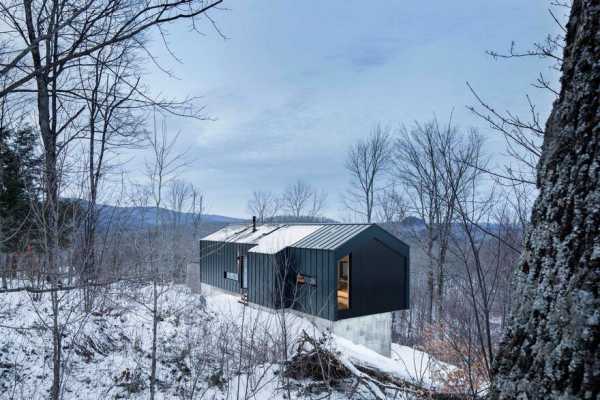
(317, 300)
(216, 258)
(379, 275)
(263, 285)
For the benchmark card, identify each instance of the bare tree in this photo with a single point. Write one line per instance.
(185, 203)
(523, 135)
(419, 167)
(317, 204)
(264, 205)
(302, 200)
(463, 165)
(42, 38)
(366, 162)
(557, 276)
(110, 125)
(161, 169)
(391, 206)
(46, 44)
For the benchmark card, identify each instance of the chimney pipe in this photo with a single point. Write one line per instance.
(254, 223)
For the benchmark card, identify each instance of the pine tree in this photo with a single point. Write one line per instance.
(550, 350)
(19, 178)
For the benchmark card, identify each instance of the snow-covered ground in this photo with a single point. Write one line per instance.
(211, 348)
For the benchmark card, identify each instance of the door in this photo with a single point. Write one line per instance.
(243, 271)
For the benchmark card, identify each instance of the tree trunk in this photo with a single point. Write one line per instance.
(56, 347)
(47, 125)
(441, 282)
(430, 281)
(155, 318)
(5, 270)
(551, 346)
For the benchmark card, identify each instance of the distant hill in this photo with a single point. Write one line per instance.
(301, 219)
(140, 217)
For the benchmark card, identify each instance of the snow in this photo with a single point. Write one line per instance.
(406, 363)
(269, 238)
(201, 340)
(420, 367)
(282, 238)
(241, 233)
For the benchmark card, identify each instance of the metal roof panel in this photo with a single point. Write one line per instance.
(324, 237)
(330, 237)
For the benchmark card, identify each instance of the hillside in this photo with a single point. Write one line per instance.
(140, 217)
(211, 348)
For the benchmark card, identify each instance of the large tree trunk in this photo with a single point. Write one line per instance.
(551, 347)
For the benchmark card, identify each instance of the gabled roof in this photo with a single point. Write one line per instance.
(272, 238)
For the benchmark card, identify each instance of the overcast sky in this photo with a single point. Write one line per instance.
(297, 82)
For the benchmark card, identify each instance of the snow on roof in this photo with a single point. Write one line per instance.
(241, 233)
(269, 238)
(272, 238)
(283, 237)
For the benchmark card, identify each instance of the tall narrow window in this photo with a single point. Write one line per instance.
(343, 283)
(242, 272)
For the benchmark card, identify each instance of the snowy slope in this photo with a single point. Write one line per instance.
(207, 348)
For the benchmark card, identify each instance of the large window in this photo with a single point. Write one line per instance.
(343, 283)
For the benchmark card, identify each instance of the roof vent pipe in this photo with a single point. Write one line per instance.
(254, 223)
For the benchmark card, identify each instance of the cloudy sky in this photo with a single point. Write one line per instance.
(295, 83)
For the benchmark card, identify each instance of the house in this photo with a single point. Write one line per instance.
(344, 276)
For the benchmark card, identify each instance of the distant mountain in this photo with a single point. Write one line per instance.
(412, 221)
(140, 217)
(302, 219)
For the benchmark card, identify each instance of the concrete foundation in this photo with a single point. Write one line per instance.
(192, 277)
(192, 280)
(372, 331)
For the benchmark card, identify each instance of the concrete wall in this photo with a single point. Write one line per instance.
(192, 277)
(192, 280)
(372, 331)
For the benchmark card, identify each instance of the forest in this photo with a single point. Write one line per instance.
(95, 255)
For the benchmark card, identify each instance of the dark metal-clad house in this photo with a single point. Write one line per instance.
(332, 271)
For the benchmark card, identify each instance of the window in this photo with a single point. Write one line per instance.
(231, 275)
(305, 279)
(242, 271)
(343, 283)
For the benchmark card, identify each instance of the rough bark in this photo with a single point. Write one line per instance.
(551, 347)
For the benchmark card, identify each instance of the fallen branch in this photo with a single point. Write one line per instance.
(316, 360)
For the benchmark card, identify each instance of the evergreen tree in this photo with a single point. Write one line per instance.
(19, 179)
